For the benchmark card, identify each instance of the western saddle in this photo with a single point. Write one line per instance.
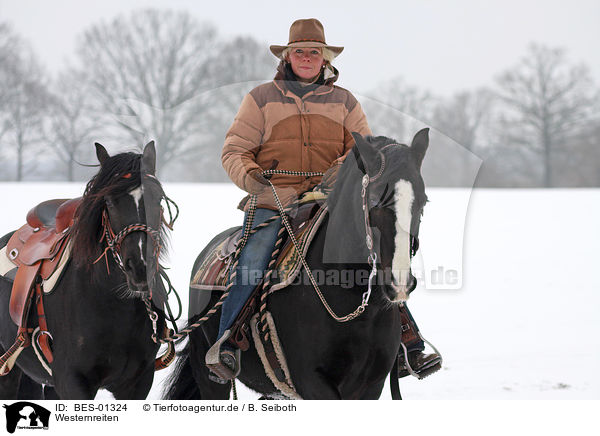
(36, 249)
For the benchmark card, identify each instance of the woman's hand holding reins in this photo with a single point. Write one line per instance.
(330, 176)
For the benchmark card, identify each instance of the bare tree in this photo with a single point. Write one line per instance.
(547, 99)
(242, 64)
(73, 121)
(397, 109)
(583, 166)
(24, 98)
(464, 117)
(150, 70)
(10, 46)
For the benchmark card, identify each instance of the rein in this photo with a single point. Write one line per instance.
(372, 259)
(113, 244)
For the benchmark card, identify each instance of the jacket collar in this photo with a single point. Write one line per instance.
(282, 84)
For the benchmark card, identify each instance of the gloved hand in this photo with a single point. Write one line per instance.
(257, 175)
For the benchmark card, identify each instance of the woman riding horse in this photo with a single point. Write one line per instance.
(298, 122)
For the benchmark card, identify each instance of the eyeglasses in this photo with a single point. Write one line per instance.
(312, 53)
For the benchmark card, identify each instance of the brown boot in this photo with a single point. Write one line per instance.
(223, 363)
(419, 364)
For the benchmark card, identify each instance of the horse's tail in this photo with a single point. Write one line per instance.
(181, 384)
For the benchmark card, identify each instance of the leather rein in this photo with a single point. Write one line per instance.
(372, 257)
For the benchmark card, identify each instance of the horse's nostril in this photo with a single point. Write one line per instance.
(412, 283)
(135, 271)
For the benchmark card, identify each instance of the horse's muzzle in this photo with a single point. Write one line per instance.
(400, 293)
(137, 278)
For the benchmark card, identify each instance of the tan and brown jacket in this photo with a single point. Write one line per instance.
(311, 133)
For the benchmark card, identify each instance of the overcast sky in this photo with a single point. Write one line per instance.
(444, 46)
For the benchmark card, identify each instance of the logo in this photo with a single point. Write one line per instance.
(25, 415)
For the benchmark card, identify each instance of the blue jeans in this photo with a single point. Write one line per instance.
(252, 263)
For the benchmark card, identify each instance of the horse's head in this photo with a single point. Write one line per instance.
(123, 203)
(395, 197)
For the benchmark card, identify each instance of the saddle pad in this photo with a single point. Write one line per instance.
(6, 265)
(288, 263)
(212, 273)
(213, 270)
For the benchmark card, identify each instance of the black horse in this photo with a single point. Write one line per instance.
(329, 359)
(98, 312)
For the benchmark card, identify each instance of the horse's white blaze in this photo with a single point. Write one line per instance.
(404, 197)
(137, 195)
(142, 251)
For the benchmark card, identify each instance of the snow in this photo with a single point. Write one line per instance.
(520, 321)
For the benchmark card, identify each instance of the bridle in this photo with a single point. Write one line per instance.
(114, 240)
(372, 258)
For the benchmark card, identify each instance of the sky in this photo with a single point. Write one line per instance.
(443, 46)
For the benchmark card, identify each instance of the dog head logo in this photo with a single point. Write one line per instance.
(26, 415)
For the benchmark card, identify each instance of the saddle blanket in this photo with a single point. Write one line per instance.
(213, 272)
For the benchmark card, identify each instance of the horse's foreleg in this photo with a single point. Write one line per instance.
(321, 387)
(9, 384)
(74, 386)
(373, 392)
(29, 389)
(50, 393)
(137, 390)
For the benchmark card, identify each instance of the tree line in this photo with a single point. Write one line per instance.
(166, 76)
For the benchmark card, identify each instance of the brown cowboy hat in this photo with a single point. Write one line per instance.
(306, 33)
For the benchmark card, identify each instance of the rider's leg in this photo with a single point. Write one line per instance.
(410, 331)
(252, 263)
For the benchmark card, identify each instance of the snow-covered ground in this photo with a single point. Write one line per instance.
(524, 325)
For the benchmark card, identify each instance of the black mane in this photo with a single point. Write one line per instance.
(117, 176)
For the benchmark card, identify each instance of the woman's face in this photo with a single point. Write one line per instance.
(306, 62)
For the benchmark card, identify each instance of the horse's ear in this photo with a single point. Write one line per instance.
(149, 158)
(365, 153)
(101, 153)
(419, 146)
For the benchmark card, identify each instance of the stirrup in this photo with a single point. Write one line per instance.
(405, 368)
(223, 369)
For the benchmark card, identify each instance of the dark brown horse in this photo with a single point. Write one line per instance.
(328, 359)
(97, 313)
